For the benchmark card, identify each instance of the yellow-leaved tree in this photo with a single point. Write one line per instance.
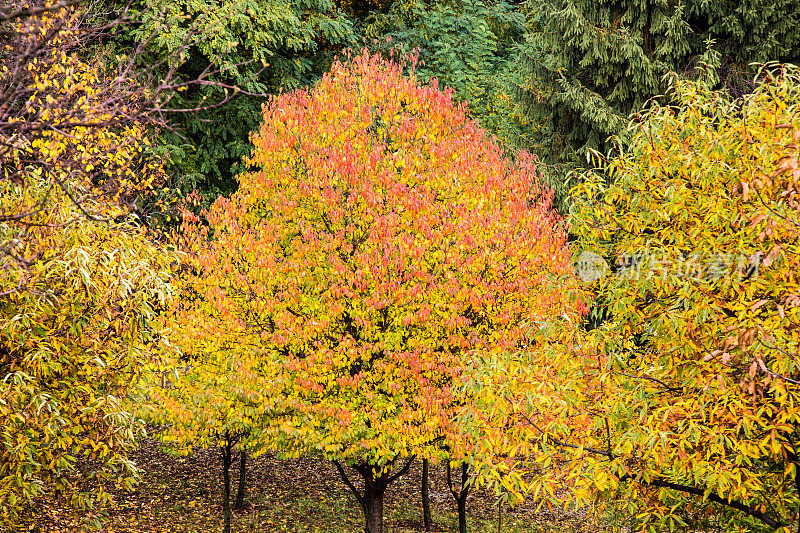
(80, 281)
(679, 407)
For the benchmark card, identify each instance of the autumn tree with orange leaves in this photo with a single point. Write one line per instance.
(379, 241)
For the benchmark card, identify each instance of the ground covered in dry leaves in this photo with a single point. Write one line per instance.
(182, 494)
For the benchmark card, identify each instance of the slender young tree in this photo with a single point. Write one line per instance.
(426, 498)
(208, 397)
(242, 486)
(460, 491)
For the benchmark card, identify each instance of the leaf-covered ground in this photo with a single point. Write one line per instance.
(182, 494)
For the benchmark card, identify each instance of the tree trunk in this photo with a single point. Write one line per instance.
(371, 500)
(797, 486)
(426, 501)
(460, 496)
(462, 515)
(372, 505)
(239, 503)
(462, 499)
(227, 452)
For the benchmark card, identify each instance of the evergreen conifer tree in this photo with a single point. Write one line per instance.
(586, 65)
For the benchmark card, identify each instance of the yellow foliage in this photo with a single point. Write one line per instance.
(679, 408)
(80, 286)
(701, 215)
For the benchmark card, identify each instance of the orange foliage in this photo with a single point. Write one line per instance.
(380, 241)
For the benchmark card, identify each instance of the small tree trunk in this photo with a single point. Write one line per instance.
(426, 501)
(460, 496)
(227, 452)
(462, 515)
(239, 503)
(797, 486)
(462, 499)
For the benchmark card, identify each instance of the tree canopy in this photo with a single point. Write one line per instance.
(80, 280)
(379, 239)
(585, 66)
(679, 406)
(244, 51)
